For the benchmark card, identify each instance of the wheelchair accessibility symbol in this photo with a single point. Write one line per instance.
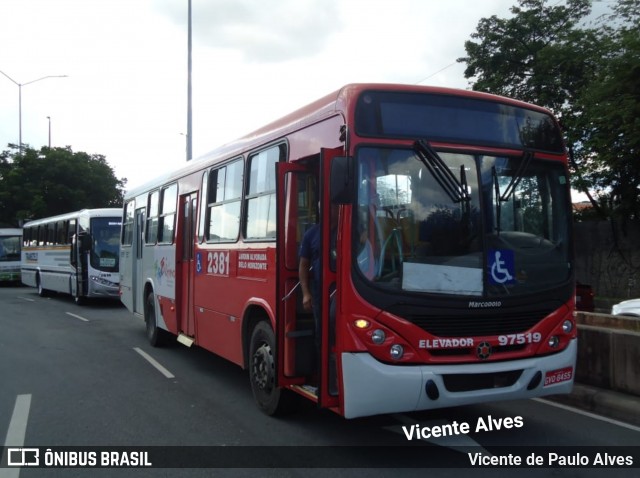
(198, 263)
(501, 266)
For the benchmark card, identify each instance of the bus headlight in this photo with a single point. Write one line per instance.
(567, 326)
(378, 336)
(396, 351)
(553, 341)
(103, 281)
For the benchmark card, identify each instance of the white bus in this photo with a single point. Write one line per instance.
(10, 243)
(75, 253)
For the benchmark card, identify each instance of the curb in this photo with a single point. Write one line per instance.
(616, 405)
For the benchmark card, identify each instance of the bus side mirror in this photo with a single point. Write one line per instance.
(341, 181)
(85, 241)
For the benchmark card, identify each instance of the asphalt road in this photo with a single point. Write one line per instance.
(85, 377)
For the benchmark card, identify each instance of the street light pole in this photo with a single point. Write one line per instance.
(189, 93)
(20, 85)
(49, 118)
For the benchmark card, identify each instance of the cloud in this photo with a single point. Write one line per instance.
(253, 61)
(261, 30)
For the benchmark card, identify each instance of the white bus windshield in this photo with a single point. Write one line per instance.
(105, 248)
(10, 248)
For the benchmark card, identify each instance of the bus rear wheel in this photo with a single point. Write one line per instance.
(156, 336)
(271, 399)
(42, 292)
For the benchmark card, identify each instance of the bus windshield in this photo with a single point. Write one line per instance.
(10, 248)
(105, 249)
(467, 224)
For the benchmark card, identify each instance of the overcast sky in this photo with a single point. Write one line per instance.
(253, 61)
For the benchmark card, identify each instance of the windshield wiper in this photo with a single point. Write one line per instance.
(456, 189)
(496, 186)
(511, 187)
(515, 179)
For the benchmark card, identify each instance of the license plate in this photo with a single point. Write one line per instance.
(558, 376)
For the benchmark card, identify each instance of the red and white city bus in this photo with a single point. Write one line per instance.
(448, 279)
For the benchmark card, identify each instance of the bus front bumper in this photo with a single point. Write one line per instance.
(372, 388)
(9, 274)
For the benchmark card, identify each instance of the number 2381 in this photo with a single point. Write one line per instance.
(218, 263)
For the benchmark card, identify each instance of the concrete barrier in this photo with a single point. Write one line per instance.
(609, 352)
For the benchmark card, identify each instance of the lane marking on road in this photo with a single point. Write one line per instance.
(461, 442)
(588, 414)
(77, 316)
(154, 362)
(25, 298)
(16, 433)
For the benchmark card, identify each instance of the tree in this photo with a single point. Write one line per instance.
(610, 120)
(534, 56)
(587, 76)
(51, 181)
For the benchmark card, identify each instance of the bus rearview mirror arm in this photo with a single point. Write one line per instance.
(84, 240)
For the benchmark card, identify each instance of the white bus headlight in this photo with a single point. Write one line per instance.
(396, 351)
(378, 336)
(103, 281)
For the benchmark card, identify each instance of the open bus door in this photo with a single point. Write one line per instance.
(294, 334)
(329, 377)
(299, 364)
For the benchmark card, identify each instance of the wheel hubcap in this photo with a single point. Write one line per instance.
(263, 367)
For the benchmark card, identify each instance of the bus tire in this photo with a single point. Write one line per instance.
(42, 292)
(156, 336)
(271, 399)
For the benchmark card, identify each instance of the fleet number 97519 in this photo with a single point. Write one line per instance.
(519, 339)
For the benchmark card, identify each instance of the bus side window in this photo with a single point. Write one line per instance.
(127, 225)
(202, 220)
(261, 193)
(42, 235)
(223, 203)
(71, 230)
(153, 210)
(166, 223)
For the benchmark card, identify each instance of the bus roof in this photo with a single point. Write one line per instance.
(101, 212)
(332, 104)
(10, 231)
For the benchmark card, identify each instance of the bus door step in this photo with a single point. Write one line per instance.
(186, 340)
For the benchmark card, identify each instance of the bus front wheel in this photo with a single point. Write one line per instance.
(262, 371)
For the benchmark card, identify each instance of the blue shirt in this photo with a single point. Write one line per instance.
(310, 249)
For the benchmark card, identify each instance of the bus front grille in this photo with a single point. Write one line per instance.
(480, 381)
(477, 325)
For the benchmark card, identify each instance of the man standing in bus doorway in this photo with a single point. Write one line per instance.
(309, 271)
